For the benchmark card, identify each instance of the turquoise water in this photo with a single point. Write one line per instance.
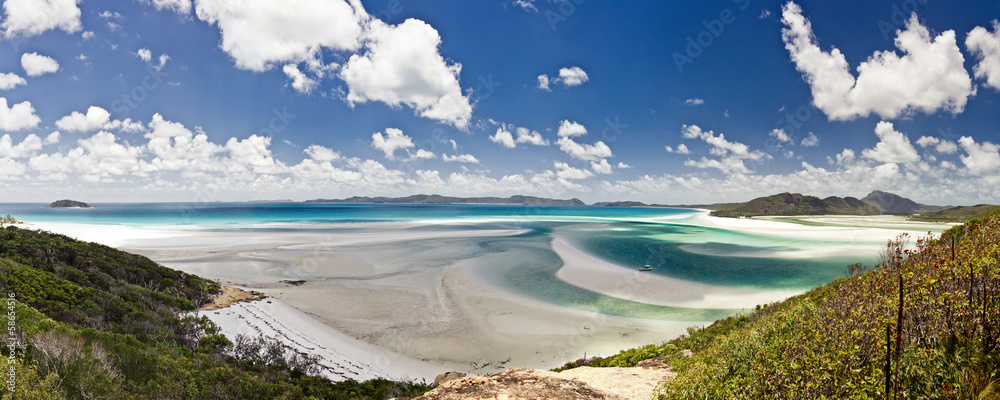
(242, 214)
(669, 239)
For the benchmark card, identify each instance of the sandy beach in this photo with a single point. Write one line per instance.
(413, 300)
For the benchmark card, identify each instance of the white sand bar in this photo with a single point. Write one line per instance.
(594, 274)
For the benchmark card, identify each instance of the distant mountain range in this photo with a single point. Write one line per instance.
(438, 199)
(875, 203)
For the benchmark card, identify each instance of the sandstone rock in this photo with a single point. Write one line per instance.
(583, 383)
(447, 377)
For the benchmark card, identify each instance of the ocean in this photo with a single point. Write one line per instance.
(679, 244)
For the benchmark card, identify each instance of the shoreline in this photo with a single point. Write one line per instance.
(341, 357)
(414, 303)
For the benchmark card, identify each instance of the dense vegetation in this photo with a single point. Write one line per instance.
(93, 322)
(955, 214)
(924, 323)
(69, 204)
(798, 204)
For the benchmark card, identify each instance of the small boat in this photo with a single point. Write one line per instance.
(646, 268)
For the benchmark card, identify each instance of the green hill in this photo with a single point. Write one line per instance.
(895, 204)
(798, 204)
(97, 323)
(923, 324)
(955, 214)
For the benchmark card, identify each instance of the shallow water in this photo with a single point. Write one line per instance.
(677, 243)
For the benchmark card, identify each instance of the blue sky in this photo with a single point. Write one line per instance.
(666, 102)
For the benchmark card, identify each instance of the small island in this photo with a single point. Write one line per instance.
(68, 204)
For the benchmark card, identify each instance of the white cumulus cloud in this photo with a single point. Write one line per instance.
(399, 65)
(10, 80)
(300, 82)
(583, 151)
(810, 140)
(981, 158)
(182, 7)
(402, 66)
(52, 138)
(35, 64)
(929, 76)
(680, 149)
(694, 102)
(941, 146)
(731, 154)
(421, 154)
(393, 140)
(320, 153)
(780, 135)
(573, 76)
(719, 145)
(32, 17)
(601, 167)
(18, 116)
(505, 138)
(893, 146)
(259, 34)
(461, 158)
(986, 46)
(565, 171)
(28, 146)
(96, 118)
(543, 83)
(568, 77)
(569, 128)
(144, 54)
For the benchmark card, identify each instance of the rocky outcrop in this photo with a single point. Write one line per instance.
(639, 383)
(447, 377)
